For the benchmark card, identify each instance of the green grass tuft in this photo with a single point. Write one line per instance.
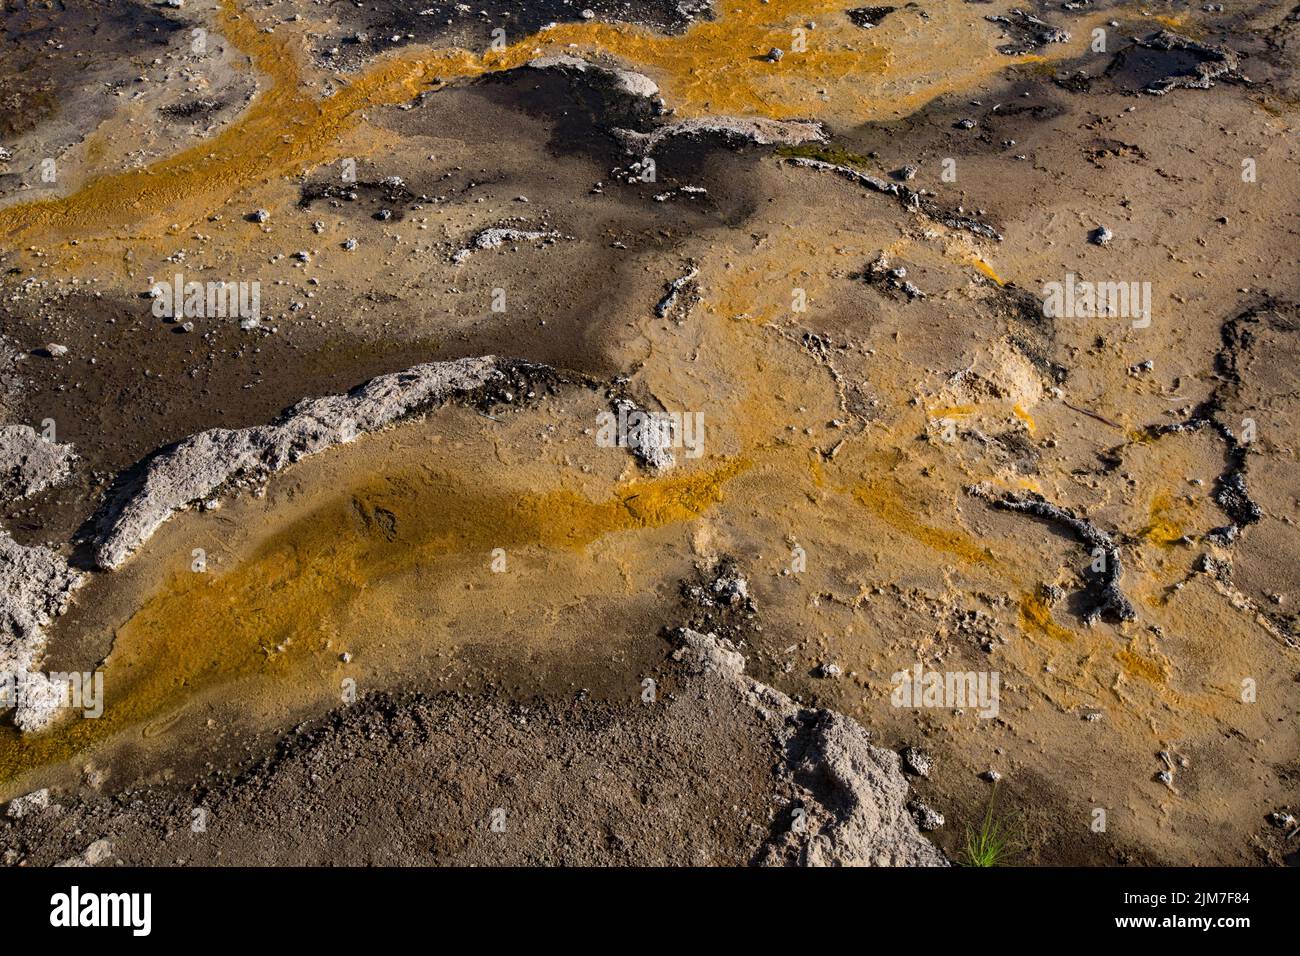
(994, 843)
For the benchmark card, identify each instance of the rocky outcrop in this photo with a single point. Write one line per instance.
(35, 585)
(1213, 63)
(29, 464)
(848, 798)
(623, 81)
(208, 463)
(760, 132)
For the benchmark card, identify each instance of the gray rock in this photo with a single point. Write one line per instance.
(926, 818)
(35, 587)
(35, 584)
(93, 855)
(652, 442)
(33, 802)
(760, 132)
(853, 795)
(916, 761)
(201, 466)
(625, 81)
(498, 236)
(29, 464)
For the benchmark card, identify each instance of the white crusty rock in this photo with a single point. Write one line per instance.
(498, 236)
(761, 132)
(650, 436)
(35, 584)
(33, 802)
(625, 81)
(29, 464)
(854, 796)
(41, 699)
(199, 467)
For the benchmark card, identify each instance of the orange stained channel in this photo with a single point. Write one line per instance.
(265, 617)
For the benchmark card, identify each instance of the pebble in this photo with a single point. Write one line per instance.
(926, 818)
(19, 807)
(916, 761)
(1100, 236)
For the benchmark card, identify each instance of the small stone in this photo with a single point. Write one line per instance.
(926, 818)
(965, 124)
(345, 657)
(33, 802)
(829, 669)
(992, 776)
(775, 54)
(349, 244)
(55, 350)
(916, 761)
(259, 215)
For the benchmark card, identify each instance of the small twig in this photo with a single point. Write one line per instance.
(1101, 418)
